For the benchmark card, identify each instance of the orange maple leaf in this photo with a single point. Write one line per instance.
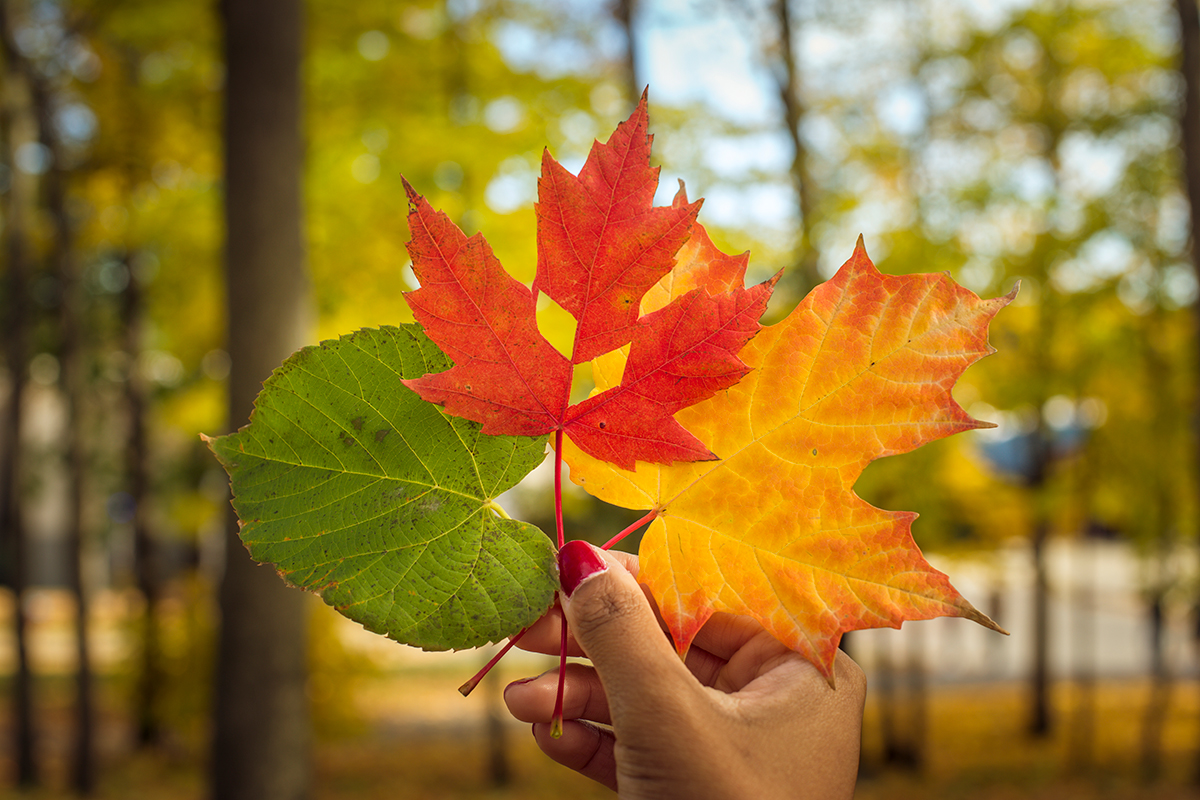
(862, 368)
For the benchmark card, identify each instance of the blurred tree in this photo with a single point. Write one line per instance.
(803, 275)
(17, 127)
(626, 13)
(1189, 123)
(72, 366)
(261, 726)
(140, 99)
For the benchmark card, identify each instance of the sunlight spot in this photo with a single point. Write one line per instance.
(373, 45)
(365, 168)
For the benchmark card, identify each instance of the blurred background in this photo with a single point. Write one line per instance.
(1051, 142)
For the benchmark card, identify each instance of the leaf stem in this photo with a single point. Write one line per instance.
(470, 685)
(646, 520)
(558, 519)
(556, 722)
(496, 509)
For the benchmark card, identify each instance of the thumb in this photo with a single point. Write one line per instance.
(615, 626)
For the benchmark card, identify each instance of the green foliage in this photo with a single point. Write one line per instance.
(1037, 145)
(361, 492)
(417, 88)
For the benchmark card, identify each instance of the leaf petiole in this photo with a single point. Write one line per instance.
(470, 685)
(558, 463)
(556, 722)
(496, 509)
(646, 520)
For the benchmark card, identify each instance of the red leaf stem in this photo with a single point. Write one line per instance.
(470, 685)
(556, 722)
(558, 518)
(646, 520)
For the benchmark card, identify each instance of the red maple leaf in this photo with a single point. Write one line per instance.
(602, 245)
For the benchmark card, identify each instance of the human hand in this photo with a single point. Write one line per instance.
(742, 717)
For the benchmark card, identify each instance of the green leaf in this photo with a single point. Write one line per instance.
(358, 490)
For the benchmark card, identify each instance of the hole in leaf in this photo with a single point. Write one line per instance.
(582, 382)
(556, 324)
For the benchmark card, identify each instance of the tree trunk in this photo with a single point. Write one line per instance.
(1189, 123)
(150, 673)
(499, 761)
(71, 355)
(16, 127)
(805, 275)
(918, 698)
(1039, 684)
(900, 689)
(261, 731)
(1161, 519)
(1155, 717)
(883, 686)
(1082, 736)
(625, 11)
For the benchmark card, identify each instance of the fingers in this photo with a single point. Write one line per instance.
(724, 634)
(543, 635)
(757, 655)
(532, 700)
(788, 679)
(615, 625)
(582, 747)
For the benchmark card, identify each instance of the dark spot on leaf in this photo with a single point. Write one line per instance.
(467, 387)
(357, 423)
(380, 435)
(603, 425)
(814, 451)
(348, 440)
(872, 363)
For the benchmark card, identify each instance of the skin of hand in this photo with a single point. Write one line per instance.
(742, 717)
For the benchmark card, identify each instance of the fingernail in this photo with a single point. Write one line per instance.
(578, 561)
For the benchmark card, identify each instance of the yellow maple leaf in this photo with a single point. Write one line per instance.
(862, 368)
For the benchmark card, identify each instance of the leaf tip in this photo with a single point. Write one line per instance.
(975, 615)
(859, 261)
(1012, 295)
(680, 198)
(413, 197)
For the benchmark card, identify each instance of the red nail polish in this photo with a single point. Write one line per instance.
(578, 561)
